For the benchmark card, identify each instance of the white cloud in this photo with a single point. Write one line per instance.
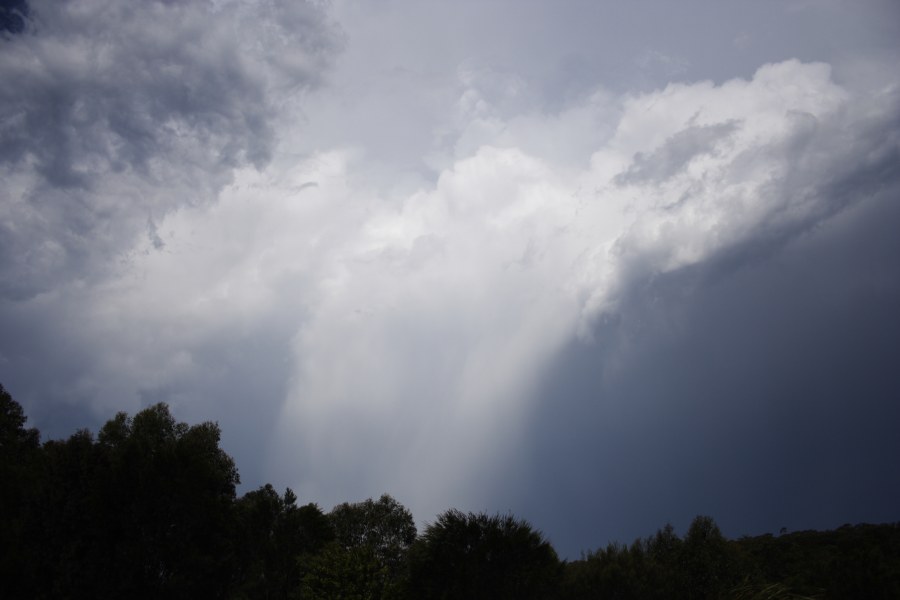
(697, 169)
(431, 321)
(412, 326)
(424, 340)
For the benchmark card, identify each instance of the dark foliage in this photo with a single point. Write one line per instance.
(853, 561)
(19, 479)
(861, 561)
(472, 556)
(384, 526)
(148, 509)
(144, 510)
(271, 533)
(368, 556)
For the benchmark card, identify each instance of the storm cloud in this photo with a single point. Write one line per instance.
(113, 115)
(390, 250)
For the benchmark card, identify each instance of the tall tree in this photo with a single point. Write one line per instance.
(368, 556)
(708, 562)
(473, 556)
(19, 456)
(273, 533)
(385, 526)
(143, 511)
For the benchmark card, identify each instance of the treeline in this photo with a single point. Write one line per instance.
(148, 508)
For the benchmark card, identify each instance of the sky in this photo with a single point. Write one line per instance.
(602, 265)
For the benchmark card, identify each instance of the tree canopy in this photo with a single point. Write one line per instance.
(148, 508)
(469, 555)
(145, 509)
(368, 556)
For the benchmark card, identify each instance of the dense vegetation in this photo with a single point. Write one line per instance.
(148, 509)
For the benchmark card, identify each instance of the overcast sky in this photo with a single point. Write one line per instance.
(605, 265)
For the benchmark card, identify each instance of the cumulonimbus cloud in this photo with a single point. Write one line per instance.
(412, 329)
(434, 320)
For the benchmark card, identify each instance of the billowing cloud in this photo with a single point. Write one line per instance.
(416, 326)
(439, 316)
(114, 115)
(424, 286)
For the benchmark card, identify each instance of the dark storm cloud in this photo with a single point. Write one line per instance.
(767, 402)
(112, 113)
(757, 386)
(13, 16)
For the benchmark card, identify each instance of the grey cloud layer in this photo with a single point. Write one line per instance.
(114, 114)
(675, 153)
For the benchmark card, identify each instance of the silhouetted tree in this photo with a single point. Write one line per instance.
(385, 526)
(19, 463)
(368, 557)
(708, 563)
(144, 511)
(476, 556)
(272, 533)
(338, 572)
(147, 509)
(861, 561)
